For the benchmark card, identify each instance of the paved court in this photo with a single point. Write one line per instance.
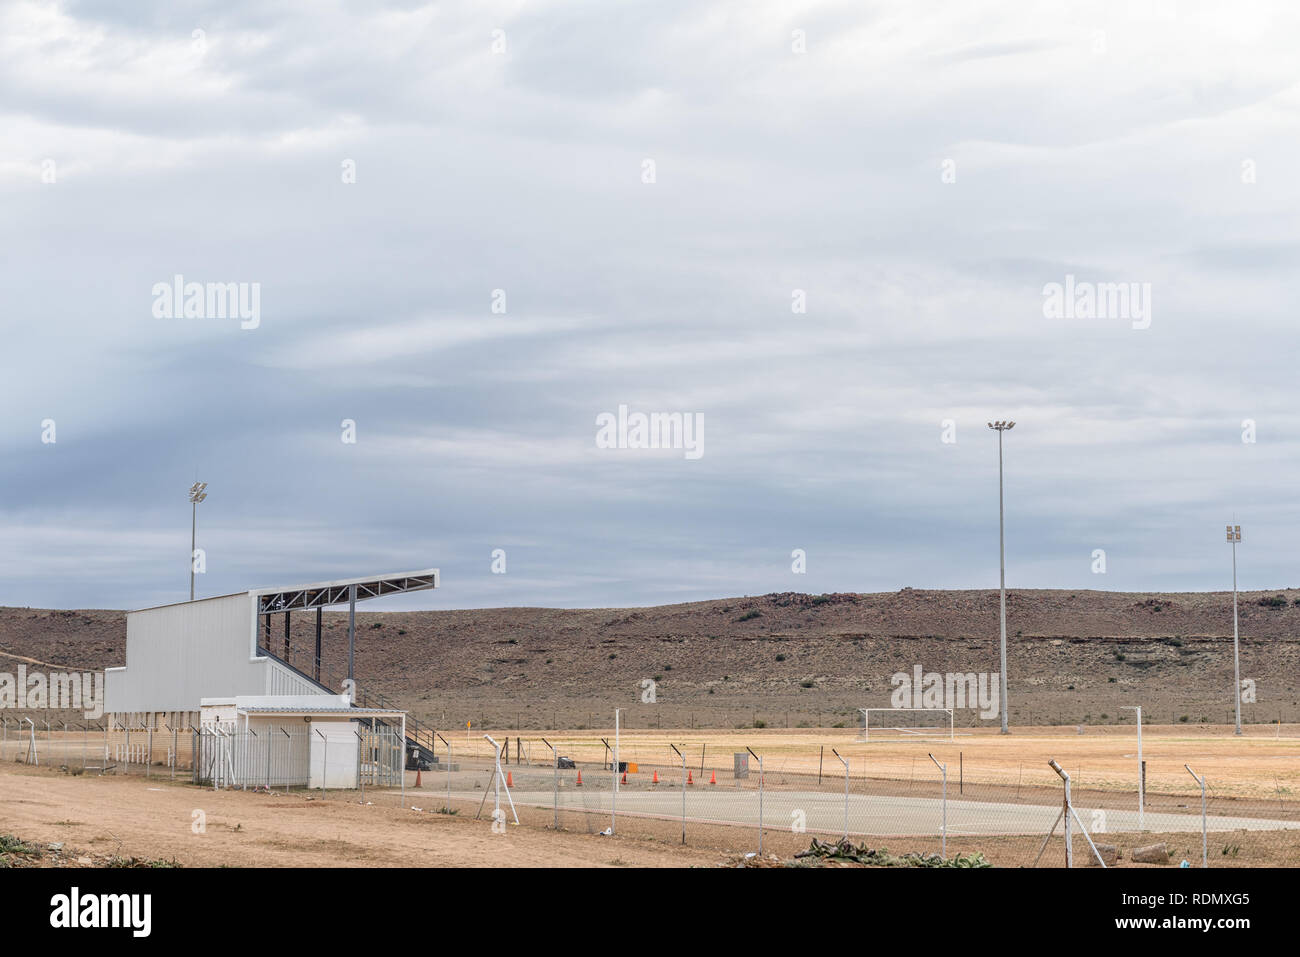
(877, 816)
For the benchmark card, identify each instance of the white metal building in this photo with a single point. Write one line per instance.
(200, 665)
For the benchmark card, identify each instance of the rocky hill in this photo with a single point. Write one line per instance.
(781, 659)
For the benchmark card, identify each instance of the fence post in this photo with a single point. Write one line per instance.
(246, 764)
(361, 768)
(683, 757)
(32, 748)
(613, 794)
(846, 793)
(943, 834)
(555, 796)
(1069, 843)
(498, 778)
(1205, 840)
(148, 761)
(325, 761)
(447, 804)
(288, 759)
(760, 799)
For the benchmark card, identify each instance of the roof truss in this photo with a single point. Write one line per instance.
(323, 594)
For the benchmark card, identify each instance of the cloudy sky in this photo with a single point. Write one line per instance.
(823, 228)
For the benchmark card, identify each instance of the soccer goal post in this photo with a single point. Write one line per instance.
(908, 722)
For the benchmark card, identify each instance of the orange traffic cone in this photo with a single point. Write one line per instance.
(579, 779)
(690, 777)
(624, 777)
(510, 780)
(655, 779)
(713, 777)
(417, 777)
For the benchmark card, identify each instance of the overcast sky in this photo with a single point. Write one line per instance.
(654, 188)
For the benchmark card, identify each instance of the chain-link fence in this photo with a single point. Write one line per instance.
(744, 802)
(270, 758)
(897, 798)
(98, 746)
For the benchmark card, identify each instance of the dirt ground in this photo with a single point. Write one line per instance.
(130, 816)
(1262, 764)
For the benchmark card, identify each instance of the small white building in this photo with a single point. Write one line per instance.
(260, 712)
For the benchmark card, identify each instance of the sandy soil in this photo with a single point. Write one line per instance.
(1263, 764)
(129, 816)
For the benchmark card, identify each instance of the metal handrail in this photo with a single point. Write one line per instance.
(416, 730)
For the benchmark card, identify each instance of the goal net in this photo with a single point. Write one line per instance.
(882, 723)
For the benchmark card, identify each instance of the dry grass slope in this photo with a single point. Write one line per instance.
(783, 659)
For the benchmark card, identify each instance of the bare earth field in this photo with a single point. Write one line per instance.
(129, 816)
(1002, 799)
(1260, 764)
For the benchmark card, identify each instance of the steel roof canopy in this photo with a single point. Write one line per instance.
(324, 594)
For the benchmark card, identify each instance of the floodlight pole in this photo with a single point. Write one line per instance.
(1234, 536)
(1000, 427)
(197, 494)
(194, 521)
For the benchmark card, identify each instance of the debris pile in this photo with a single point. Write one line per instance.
(847, 854)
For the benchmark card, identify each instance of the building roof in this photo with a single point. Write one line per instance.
(363, 712)
(323, 594)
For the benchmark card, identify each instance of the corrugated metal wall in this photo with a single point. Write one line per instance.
(177, 655)
(281, 681)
